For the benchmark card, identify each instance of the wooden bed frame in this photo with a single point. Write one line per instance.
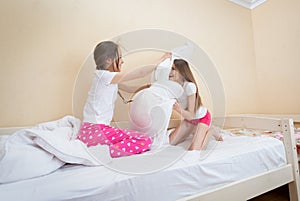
(256, 185)
(251, 187)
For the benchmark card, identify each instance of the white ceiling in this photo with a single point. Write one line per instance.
(250, 4)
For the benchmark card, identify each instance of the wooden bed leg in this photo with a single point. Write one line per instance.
(291, 155)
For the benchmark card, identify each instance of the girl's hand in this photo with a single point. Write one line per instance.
(177, 107)
(167, 55)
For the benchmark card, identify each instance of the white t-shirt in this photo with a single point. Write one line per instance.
(99, 107)
(189, 88)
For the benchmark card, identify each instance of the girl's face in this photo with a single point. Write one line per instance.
(175, 75)
(117, 64)
(121, 61)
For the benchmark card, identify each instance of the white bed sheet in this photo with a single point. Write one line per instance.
(223, 162)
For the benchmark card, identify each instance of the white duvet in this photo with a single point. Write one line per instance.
(171, 173)
(221, 163)
(45, 148)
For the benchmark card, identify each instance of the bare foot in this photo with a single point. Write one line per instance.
(215, 133)
(191, 148)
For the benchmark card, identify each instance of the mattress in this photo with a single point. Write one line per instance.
(189, 172)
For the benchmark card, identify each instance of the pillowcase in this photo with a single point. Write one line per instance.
(184, 52)
(163, 69)
(2, 145)
(22, 159)
(151, 110)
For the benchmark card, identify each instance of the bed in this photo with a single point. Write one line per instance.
(247, 165)
(264, 182)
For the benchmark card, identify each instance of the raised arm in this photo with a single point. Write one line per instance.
(138, 72)
(132, 89)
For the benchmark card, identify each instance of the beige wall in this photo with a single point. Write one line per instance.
(44, 43)
(276, 26)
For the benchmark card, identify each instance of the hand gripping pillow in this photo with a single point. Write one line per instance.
(163, 69)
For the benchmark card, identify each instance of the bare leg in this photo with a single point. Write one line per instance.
(201, 137)
(181, 133)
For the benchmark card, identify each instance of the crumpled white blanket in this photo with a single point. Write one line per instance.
(42, 149)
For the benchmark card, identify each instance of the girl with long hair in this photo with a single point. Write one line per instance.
(197, 119)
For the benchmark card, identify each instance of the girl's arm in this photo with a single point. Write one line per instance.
(127, 88)
(139, 72)
(189, 112)
(132, 89)
(134, 74)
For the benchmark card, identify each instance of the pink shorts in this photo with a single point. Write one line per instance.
(205, 120)
(121, 142)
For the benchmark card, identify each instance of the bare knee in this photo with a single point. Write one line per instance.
(171, 139)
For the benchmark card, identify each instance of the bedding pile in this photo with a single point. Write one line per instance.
(277, 135)
(45, 148)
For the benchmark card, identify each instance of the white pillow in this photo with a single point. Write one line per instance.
(151, 109)
(163, 69)
(23, 160)
(184, 52)
(2, 145)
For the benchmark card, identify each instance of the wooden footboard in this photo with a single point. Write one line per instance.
(251, 187)
(247, 188)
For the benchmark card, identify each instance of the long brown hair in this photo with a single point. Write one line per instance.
(184, 69)
(106, 50)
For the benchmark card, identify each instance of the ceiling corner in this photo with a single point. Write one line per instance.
(250, 4)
